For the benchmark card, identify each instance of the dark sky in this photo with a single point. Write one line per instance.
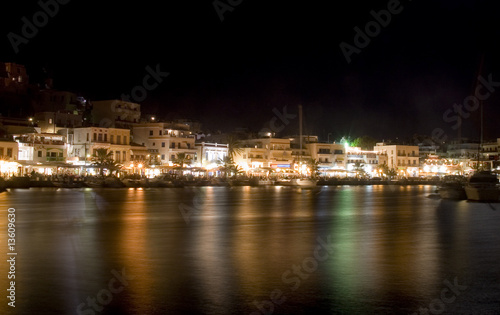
(271, 54)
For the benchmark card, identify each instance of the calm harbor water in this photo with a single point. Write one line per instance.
(244, 250)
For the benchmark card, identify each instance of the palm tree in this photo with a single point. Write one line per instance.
(182, 159)
(101, 159)
(233, 146)
(389, 172)
(359, 168)
(227, 165)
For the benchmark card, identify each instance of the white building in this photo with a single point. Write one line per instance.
(273, 153)
(209, 154)
(87, 140)
(41, 147)
(403, 158)
(165, 143)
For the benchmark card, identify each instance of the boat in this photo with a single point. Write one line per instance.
(284, 182)
(132, 181)
(113, 182)
(453, 187)
(239, 182)
(304, 182)
(94, 182)
(483, 186)
(67, 183)
(256, 181)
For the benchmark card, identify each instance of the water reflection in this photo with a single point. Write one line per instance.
(392, 249)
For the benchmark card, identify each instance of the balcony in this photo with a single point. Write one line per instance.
(55, 159)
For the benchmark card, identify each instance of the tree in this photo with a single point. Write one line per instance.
(364, 142)
(227, 166)
(233, 146)
(182, 159)
(102, 158)
(359, 168)
(388, 172)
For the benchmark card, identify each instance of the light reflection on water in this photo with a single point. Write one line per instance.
(393, 248)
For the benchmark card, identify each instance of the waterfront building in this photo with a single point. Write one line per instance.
(269, 153)
(490, 154)
(41, 148)
(86, 140)
(365, 160)
(209, 155)
(331, 157)
(403, 158)
(166, 143)
(8, 158)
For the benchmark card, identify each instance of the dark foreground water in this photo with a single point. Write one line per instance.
(243, 250)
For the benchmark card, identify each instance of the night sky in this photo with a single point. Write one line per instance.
(271, 54)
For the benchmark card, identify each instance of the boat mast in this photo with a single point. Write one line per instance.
(300, 133)
(480, 113)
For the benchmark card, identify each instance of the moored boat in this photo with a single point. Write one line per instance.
(113, 182)
(94, 182)
(131, 182)
(304, 182)
(453, 187)
(482, 186)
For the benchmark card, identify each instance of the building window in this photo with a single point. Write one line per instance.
(124, 155)
(173, 145)
(189, 145)
(112, 138)
(105, 137)
(151, 132)
(154, 144)
(87, 136)
(172, 157)
(163, 156)
(118, 139)
(9, 152)
(163, 144)
(117, 156)
(95, 136)
(99, 137)
(159, 132)
(39, 153)
(125, 140)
